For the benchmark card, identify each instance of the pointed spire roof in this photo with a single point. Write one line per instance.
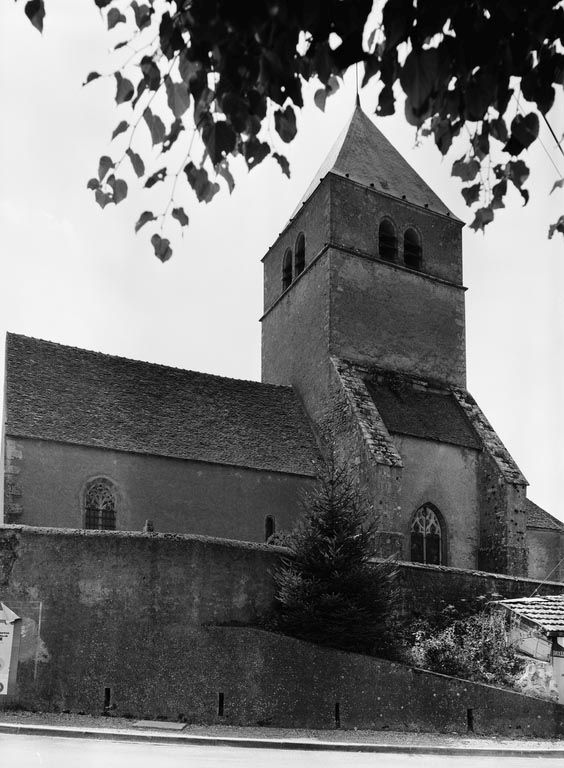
(363, 154)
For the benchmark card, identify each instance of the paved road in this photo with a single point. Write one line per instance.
(47, 752)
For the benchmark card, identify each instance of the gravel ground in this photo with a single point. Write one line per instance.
(355, 736)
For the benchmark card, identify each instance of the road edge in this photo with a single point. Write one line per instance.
(250, 743)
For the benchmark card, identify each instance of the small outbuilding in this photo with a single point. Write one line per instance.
(538, 630)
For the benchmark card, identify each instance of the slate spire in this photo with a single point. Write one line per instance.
(363, 154)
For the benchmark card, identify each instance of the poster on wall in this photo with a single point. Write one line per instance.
(10, 626)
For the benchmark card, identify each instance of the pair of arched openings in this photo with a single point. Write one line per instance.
(388, 245)
(293, 263)
(428, 536)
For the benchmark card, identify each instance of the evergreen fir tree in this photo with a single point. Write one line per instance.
(330, 591)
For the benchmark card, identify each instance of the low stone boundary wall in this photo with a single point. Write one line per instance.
(425, 589)
(275, 680)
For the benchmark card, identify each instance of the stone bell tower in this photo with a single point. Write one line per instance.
(385, 255)
(364, 316)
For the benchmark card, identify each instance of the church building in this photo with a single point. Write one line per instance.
(363, 353)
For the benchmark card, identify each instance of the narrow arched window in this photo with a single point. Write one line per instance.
(287, 270)
(387, 241)
(427, 536)
(269, 527)
(412, 249)
(299, 258)
(100, 505)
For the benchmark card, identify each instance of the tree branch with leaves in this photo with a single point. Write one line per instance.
(226, 70)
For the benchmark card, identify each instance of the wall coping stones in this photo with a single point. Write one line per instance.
(374, 431)
(378, 437)
(407, 564)
(490, 439)
(32, 530)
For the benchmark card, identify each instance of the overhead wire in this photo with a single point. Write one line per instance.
(558, 144)
(546, 578)
(557, 169)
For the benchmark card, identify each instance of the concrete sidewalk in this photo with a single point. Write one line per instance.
(121, 729)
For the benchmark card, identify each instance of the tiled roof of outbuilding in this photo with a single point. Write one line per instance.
(55, 392)
(363, 154)
(432, 414)
(539, 518)
(546, 611)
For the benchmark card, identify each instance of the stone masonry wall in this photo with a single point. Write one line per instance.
(179, 496)
(151, 626)
(363, 443)
(313, 220)
(356, 215)
(545, 548)
(502, 522)
(427, 589)
(501, 489)
(302, 684)
(396, 319)
(12, 489)
(124, 611)
(444, 475)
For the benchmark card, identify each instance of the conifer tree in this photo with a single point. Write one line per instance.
(330, 590)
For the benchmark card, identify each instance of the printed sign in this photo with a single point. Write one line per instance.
(9, 644)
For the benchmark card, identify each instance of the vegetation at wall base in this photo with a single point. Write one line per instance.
(328, 590)
(475, 648)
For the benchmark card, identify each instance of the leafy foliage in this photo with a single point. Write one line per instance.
(329, 591)
(229, 70)
(35, 11)
(474, 648)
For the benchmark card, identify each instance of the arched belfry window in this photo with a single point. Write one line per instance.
(299, 258)
(427, 536)
(412, 249)
(100, 503)
(269, 527)
(387, 241)
(287, 270)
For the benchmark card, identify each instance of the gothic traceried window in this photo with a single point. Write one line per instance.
(100, 505)
(427, 543)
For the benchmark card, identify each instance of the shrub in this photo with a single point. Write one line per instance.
(475, 648)
(329, 591)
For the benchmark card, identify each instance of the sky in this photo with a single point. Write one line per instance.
(77, 275)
